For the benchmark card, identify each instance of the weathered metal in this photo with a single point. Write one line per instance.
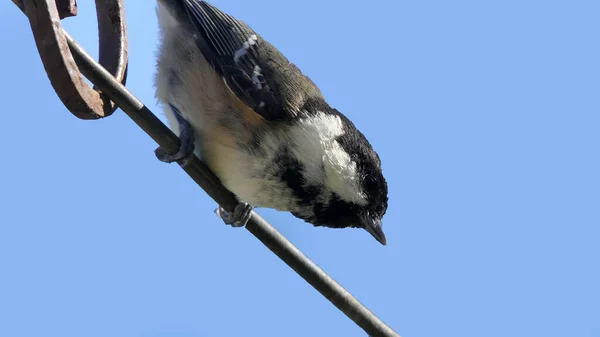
(82, 100)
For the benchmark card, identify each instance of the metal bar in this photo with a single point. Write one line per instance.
(66, 8)
(80, 99)
(202, 175)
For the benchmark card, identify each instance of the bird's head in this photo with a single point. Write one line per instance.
(353, 190)
(339, 212)
(360, 201)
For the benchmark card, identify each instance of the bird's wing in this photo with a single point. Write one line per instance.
(257, 73)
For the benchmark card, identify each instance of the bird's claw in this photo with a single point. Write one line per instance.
(186, 149)
(240, 216)
(183, 156)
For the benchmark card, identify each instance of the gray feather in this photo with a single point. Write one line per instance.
(255, 71)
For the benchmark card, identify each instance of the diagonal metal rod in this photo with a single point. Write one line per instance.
(207, 180)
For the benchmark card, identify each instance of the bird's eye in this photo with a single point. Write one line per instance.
(370, 183)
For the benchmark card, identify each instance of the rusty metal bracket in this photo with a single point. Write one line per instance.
(66, 79)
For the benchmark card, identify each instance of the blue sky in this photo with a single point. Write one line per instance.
(486, 117)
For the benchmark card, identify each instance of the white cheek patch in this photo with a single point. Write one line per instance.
(341, 175)
(325, 161)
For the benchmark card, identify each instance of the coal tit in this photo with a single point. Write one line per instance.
(261, 125)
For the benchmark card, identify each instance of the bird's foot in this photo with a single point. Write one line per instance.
(186, 136)
(240, 217)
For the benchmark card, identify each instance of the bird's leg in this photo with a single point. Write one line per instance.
(186, 136)
(240, 217)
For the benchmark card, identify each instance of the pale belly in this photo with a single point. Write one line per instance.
(253, 179)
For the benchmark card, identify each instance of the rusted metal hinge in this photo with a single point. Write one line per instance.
(82, 100)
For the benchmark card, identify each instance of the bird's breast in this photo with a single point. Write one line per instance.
(252, 175)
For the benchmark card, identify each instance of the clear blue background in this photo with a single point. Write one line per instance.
(486, 115)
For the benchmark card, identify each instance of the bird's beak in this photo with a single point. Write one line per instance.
(375, 228)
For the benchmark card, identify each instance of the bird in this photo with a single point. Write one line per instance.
(261, 125)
